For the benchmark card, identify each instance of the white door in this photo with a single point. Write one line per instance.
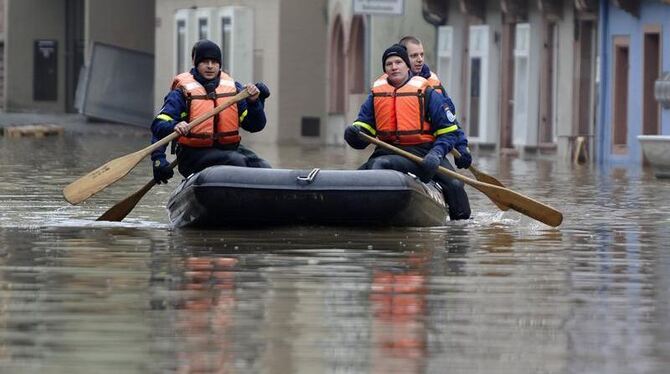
(521, 83)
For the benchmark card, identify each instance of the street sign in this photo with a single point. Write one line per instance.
(379, 7)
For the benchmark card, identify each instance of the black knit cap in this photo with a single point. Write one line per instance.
(395, 50)
(205, 49)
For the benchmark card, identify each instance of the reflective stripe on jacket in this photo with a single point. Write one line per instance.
(400, 116)
(223, 127)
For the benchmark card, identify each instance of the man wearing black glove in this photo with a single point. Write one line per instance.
(405, 111)
(215, 141)
(162, 170)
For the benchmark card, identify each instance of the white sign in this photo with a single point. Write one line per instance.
(383, 7)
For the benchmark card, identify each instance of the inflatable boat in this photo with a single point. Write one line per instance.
(229, 196)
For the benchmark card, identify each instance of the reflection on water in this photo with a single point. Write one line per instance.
(499, 293)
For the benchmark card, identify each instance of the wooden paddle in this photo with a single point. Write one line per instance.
(483, 177)
(121, 209)
(113, 170)
(522, 204)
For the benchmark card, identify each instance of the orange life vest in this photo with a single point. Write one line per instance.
(434, 82)
(223, 127)
(400, 116)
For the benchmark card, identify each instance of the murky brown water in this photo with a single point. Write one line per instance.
(500, 293)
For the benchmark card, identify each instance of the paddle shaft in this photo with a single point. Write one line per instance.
(121, 209)
(102, 177)
(522, 204)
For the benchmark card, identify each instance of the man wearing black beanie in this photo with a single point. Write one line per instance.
(404, 110)
(395, 50)
(215, 141)
(205, 49)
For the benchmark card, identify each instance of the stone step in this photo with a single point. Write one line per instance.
(35, 130)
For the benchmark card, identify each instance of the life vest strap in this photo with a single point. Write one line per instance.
(401, 133)
(383, 94)
(209, 96)
(398, 94)
(224, 134)
(199, 135)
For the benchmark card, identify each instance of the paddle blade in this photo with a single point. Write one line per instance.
(483, 177)
(100, 178)
(121, 209)
(521, 203)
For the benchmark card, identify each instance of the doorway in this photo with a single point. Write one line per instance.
(620, 95)
(548, 85)
(507, 83)
(652, 71)
(74, 50)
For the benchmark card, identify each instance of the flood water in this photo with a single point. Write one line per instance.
(500, 293)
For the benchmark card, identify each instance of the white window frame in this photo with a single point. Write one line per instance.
(203, 14)
(241, 53)
(478, 48)
(182, 15)
(445, 43)
(555, 82)
(225, 12)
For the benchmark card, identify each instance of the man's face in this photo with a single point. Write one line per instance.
(396, 69)
(415, 52)
(208, 68)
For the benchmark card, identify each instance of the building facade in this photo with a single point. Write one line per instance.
(521, 71)
(279, 42)
(635, 54)
(45, 50)
(527, 77)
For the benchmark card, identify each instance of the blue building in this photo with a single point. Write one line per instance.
(634, 54)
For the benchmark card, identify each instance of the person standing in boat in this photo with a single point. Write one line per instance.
(216, 141)
(404, 110)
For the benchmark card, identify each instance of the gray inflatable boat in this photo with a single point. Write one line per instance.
(229, 196)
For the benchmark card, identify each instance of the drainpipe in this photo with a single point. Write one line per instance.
(603, 30)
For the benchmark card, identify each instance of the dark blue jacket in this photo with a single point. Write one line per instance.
(449, 133)
(175, 110)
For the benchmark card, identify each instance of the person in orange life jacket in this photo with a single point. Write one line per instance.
(418, 67)
(402, 109)
(217, 140)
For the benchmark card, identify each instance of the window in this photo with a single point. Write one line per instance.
(181, 44)
(230, 27)
(236, 38)
(444, 53)
(226, 45)
(182, 50)
(203, 29)
(478, 87)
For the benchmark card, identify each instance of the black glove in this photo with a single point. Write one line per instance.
(264, 90)
(353, 139)
(465, 160)
(162, 170)
(431, 162)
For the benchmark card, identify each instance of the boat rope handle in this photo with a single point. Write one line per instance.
(310, 177)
